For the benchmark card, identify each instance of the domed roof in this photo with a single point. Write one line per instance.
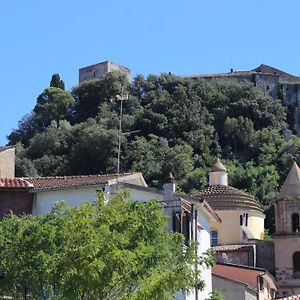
(218, 166)
(224, 197)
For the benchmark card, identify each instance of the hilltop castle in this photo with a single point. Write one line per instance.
(274, 82)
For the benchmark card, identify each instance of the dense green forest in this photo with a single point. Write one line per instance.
(169, 124)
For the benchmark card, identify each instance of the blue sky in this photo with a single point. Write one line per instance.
(41, 37)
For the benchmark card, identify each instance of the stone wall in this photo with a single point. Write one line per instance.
(265, 255)
(285, 247)
(98, 70)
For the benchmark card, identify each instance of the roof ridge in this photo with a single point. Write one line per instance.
(78, 176)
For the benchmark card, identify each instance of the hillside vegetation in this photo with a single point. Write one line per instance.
(169, 124)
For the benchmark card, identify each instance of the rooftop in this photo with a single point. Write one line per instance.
(243, 274)
(233, 247)
(291, 185)
(218, 166)
(59, 182)
(16, 183)
(223, 197)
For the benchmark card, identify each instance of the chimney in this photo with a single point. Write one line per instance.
(169, 187)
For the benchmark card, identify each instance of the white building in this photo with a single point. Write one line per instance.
(187, 215)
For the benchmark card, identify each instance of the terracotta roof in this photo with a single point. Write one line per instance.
(218, 166)
(243, 274)
(58, 182)
(14, 183)
(294, 297)
(233, 247)
(224, 197)
(291, 185)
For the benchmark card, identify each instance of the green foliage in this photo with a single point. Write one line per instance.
(114, 250)
(53, 104)
(216, 295)
(57, 82)
(169, 124)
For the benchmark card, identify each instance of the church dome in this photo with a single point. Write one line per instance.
(224, 197)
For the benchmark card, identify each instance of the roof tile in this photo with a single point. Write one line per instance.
(224, 197)
(41, 183)
(14, 183)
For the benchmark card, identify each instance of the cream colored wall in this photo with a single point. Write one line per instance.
(7, 163)
(256, 226)
(229, 231)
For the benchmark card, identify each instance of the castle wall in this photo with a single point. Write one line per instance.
(269, 83)
(98, 70)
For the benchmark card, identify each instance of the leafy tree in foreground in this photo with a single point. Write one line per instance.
(114, 250)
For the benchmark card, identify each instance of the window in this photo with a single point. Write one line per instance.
(182, 224)
(296, 264)
(176, 222)
(214, 238)
(244, 219)
(295, 222)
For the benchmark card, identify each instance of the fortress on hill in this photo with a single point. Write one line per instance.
(274, 82)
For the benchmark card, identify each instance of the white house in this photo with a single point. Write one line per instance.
(187, 215)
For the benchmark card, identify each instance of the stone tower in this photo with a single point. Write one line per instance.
(287, 235)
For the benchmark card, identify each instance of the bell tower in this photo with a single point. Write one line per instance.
(287, 235)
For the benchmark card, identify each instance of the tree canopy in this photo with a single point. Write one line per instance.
(168, 123)
(104, 250)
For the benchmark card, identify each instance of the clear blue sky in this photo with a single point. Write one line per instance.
(42, 37)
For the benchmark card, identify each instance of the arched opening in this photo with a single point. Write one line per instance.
(295, 222)
(296, 264)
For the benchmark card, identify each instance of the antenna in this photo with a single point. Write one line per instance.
(120, 98)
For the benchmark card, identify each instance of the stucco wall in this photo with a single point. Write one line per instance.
(7, 163)
(204, 245)
(44, 201)
(229, 231)
(256, 225)
(233, 290)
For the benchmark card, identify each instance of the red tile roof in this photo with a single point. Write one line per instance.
(294, 297)
(242, 274)
(14, 183)
(57, 182)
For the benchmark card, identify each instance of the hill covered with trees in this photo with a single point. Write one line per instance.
(169, 124)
